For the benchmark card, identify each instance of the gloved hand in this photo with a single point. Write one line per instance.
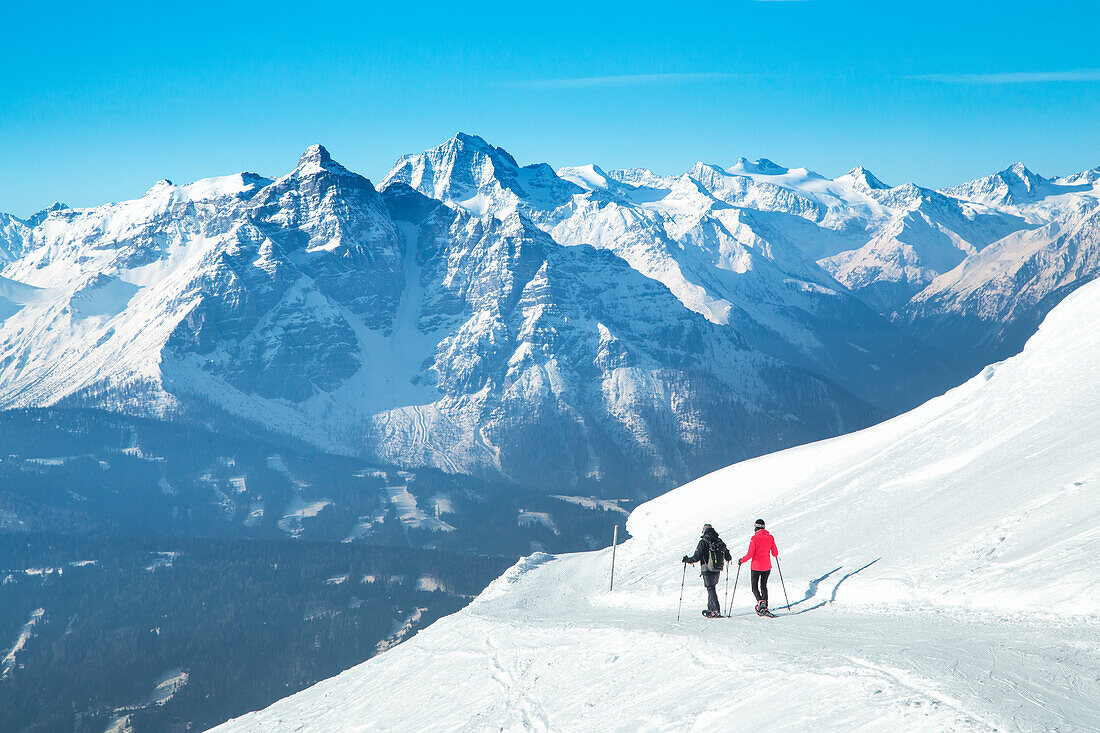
(686, 559)
(740, 561)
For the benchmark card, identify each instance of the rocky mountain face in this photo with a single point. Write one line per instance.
(974, 266)
(709, 252)
(617, 331)
(987, 307)
(13, 235)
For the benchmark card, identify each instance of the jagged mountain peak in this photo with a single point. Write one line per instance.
(315, 154)
(466, 139)
(1014, 185)
(636, 177)
(1019, 174)
(700, 168)
(760, 166)
(457, 226)
(589, 176)
(476, 142)
(1087, 177)
(316, 159)
(865, 178)
(40, 216)
(160, 185)
(469, 172)
(463, 145)
(1018, 170)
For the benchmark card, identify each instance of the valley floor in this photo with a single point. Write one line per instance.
(540, 657)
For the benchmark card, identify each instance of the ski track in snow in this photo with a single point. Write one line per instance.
(548, 649)
(834, 668)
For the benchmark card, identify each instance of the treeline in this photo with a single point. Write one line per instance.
(250, 621)
(87, 472)
(254, 611)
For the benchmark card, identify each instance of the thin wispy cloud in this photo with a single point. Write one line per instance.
(1014, 77)
(622, 80)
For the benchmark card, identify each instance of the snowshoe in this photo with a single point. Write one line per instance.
(762, 609)
(712, 614)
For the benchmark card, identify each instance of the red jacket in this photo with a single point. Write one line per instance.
(761, 548)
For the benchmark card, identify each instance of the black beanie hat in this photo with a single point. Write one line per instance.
(760, 524)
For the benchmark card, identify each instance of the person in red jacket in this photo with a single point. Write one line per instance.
(761, 549)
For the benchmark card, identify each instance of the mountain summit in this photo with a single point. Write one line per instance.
(315, 155)
(865, 178)
(611, 331)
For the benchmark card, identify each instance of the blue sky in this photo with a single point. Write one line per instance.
(98, 103)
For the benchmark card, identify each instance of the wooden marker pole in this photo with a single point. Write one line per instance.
(614, 546)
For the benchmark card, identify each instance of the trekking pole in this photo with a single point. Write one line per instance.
(682, 591)
(726, 595)
(729, 607)
(782, 583)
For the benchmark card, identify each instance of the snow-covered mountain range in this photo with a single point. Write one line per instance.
(726, 240)
(565, 328)
(940, 569)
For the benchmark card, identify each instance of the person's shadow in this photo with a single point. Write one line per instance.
(811, 591)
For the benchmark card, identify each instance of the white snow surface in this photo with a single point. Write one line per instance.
(409, 512)
(941, 568)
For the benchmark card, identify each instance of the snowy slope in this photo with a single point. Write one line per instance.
(941, 567)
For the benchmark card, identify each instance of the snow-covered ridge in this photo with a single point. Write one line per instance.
(643, 326)
(939, 568)
(883, 243)
(390, 325)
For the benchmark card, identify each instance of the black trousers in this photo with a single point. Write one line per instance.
(710, 581)
(760, 584)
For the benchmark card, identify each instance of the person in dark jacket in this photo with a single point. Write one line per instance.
(713, 554)
(761, 551)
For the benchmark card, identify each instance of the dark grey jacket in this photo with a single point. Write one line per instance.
(702, 551)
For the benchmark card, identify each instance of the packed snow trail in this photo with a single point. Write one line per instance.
(533, 659)
(941, 566)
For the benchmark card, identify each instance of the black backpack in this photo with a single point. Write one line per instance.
(716, 556)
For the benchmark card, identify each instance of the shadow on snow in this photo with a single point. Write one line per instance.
(811, 591)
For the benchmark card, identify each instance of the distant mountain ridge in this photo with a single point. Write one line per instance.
(885, 244)
(579, 327)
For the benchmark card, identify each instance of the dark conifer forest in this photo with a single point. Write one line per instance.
(160, 577)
